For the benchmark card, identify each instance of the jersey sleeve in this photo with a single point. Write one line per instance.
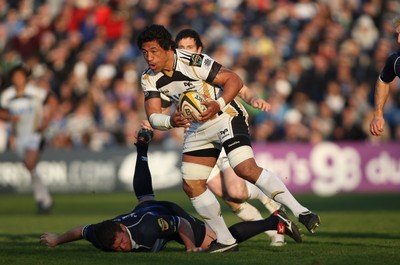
(204, 66)
(89, 235)
(4, 99)
(388, 72)
(149, 87)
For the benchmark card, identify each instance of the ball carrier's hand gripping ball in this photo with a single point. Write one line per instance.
(190, 105)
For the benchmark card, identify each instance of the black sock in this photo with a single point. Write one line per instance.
(245, 230)
(142, 184)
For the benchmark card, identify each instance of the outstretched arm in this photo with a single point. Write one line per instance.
(381, 95)
(250, 97)
(53, 240)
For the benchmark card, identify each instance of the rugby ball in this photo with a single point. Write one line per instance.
(190, 105)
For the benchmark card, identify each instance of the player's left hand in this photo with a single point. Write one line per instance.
(260, 104)
(212, 109)
(178, 119)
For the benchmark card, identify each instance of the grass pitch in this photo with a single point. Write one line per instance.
(356, 229)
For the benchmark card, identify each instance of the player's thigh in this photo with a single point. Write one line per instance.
(214, 183)
(31, 158)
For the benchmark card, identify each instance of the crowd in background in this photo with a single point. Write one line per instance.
(315, 62)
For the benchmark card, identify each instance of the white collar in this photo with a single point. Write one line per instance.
(134, 244)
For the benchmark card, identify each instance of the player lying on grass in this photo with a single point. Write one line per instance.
(151, 224)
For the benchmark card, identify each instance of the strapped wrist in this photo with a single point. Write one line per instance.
(221, 103)
(160, 121)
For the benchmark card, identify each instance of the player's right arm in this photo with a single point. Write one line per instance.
(154, 111)
(52, 240)
(381, 95)
(382, 92)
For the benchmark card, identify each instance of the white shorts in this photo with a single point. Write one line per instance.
(225, 130)
(28, 142)
(220, 166)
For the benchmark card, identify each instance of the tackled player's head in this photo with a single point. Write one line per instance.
(156, 33)
(190, 40)
(111, 236)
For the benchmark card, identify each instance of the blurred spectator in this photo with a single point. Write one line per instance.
(316, 62)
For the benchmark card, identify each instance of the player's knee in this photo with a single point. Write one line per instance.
(194, 188)
(236, 194)
(248, 170)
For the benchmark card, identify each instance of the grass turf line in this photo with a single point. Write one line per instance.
(356, 229)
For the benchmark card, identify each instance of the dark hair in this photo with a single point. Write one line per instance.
(189, 33)
(156, 33)
(105, 233)
(20, 68)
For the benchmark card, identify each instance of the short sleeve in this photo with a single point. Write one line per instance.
(204, 66)
(89, 235)
(389, 72)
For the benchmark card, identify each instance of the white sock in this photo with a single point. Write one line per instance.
(255, 193)
(208, 207)
(40, 192)
(274, 188)
(248, 212)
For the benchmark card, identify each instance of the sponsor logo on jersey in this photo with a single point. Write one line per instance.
(196, 60)
(163, 224)
(189, 84)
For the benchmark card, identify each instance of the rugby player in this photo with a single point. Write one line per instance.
(224, 124)
(29, 109)
(152, 224)
(223, 181)
(382, 89)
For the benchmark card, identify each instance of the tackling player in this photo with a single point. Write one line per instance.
(29, 109)
(224, 124)
(152, 224)
(223, 181)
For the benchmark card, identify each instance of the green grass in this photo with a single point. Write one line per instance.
(356, 229)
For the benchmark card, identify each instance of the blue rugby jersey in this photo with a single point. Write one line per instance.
(151, 225)
(391, 69)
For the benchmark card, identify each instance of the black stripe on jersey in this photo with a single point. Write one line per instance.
(185, 55)
(151, 94)
(176, 76)
(213, 72)
(237, 108)
(147, 71)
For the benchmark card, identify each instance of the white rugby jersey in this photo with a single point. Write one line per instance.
(191, 72)
(28, 107)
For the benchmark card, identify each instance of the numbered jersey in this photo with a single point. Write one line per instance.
(28, 107)
(191, 72)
